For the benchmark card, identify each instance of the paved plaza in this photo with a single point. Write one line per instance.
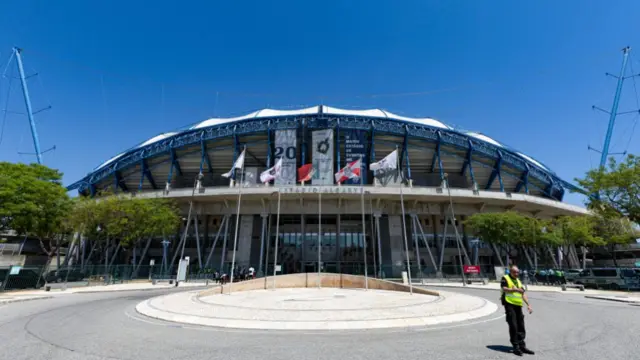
(317, 309)
(106, 325)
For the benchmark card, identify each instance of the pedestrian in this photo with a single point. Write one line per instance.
(513, 296)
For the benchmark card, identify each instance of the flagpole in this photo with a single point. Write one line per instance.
(404, 225)
(275, 253)
(319, 235)
(235, 237)
(364, 229)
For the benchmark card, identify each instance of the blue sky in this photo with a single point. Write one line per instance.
(118, 73)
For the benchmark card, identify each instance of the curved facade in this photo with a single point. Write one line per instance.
(483, 174)
(429, 149)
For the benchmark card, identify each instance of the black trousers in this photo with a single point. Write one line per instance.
(515, 319)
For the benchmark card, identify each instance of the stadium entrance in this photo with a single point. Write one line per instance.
(339, 247)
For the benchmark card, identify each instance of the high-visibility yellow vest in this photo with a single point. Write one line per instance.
(513, 298)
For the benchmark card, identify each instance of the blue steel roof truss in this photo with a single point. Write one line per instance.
(405, 143)
(376, 126)
(468, 163)
(524, 181)
(205, 156)
(119, 182)
(497, 173)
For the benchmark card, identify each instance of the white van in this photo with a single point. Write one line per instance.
(609, 278)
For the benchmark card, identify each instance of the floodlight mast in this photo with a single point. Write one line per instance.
(27, 102)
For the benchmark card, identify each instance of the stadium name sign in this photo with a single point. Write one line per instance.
(321, 190)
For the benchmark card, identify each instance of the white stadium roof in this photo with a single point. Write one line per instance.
(371, 113)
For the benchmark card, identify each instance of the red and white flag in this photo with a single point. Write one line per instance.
(305, 172)
(351, 171)
(271, 173)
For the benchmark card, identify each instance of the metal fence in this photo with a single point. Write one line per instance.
(36, 277)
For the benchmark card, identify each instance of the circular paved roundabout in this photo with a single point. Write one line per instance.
(107, 326)
(316, 309)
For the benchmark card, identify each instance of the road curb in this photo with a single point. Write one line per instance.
(126, 290)
(2, 302)
(175, 313)
(604, 298)
(486, 289)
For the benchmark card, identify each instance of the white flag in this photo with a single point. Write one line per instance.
(390, 162)
(271, 173)
(239, 164)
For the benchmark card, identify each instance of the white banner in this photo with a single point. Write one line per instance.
(287, 150)
(322, 142)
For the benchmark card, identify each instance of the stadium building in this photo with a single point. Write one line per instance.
(440, 165)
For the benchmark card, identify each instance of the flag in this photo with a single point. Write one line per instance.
(271, 173)
(390, 162)
(239, 164)
(305, 172)
(351, 171)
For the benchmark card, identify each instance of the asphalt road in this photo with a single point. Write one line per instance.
(106, 326)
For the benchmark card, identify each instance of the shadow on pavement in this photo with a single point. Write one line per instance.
(500, 348)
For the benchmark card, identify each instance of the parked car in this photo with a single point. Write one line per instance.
(609, 278)
(24, 279)
(64, 274)
(572, 274)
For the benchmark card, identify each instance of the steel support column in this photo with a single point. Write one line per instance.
(405, 152)
(303, 149)
(145, 172)
(119, 182)
(414, 231)
(174, 164)
(262, 238)
(549, 188)
(269, 148)
(426, 243)
(205, 156)
(468, 163)
(372, 148)
(225, 219)
(223, 256)
(496, 173)
(438, 158)
(235, 156)
(376, 217)
(524, 180)
(337, 145)
(196, 225)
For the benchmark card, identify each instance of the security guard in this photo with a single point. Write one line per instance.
(512, 299)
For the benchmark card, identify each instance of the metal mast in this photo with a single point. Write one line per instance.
(27, 102)
(614, 107)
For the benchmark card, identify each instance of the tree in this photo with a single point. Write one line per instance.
(33, 202)
(507, 230)
(616, 190)
(123, 221)
(615, 232)
(568, 232)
